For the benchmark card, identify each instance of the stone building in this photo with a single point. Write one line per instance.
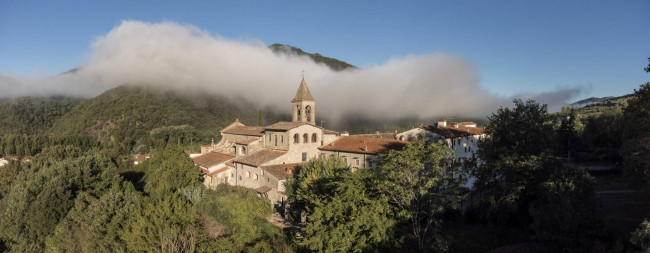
(461, 137)
(362, 151)
(262, 158)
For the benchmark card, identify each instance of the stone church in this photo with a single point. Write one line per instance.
(263, 158)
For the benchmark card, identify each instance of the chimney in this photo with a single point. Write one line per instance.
(442, 123)
(365, 146)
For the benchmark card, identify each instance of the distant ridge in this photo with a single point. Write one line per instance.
(588, 101)
(334, 64)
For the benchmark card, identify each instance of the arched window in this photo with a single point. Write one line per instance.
(298, 110)
(308, 112)
(296, 138)
(314, 137)
(305, 138)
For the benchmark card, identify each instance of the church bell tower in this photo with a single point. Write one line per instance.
(304, 105)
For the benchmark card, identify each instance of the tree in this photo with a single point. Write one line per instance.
(563, 213)
(235, 219)
(312, 181)
(421, 182)
(41, 197)
(260, 118)
(351, 216)
(520, 141)
(97, 224)
(636, 149)
(569, 138)
(167, 221)
(641, 236)
(171, 170)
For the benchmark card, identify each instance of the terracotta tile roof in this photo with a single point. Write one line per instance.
(285, 126)
(211, 159)
(363, 145)
(217, 171)
(263, 189)
(378, 135)
(454, 132)
(244, 130)
(246, 142)
(260, 157)
(282, 171)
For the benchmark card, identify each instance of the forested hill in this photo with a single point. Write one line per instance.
(32, 115)
(138, 118)
(599, 106)
(334, 64)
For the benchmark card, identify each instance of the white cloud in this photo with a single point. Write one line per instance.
(183, 57)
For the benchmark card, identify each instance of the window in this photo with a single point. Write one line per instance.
(256, 177)
(232, 174)
(296, 138)
(465, 149)
(243, 150)
(262, 172)
(458, 141)
(234, 150)
(305, 138)
(308, 113)
(314, 137)
(248, 174)
(298, 110)
(469, 148)
(267, 179)
(345, 159)
(239, 178)
(304, 156)
(356, 161)
(282, 138)
(269, 137)
(276, 140)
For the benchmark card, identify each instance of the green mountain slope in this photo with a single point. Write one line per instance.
(32, 115)
(334, 64)
(139, 118)
(598, 106)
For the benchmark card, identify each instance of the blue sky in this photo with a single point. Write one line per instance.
(515, 46)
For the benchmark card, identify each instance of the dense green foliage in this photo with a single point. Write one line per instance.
(526, 186)
(332, 63)
(43, 193)
(421, 181)
(32, 115)
(138, 118)
(346, 210)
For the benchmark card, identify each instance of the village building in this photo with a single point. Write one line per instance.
(263, 158)
(462, 137)
(361, 151)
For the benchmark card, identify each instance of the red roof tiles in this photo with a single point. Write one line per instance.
(211, 159)
(364, 145)
(260, 157)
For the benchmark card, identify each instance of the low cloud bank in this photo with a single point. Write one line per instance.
(182, 57)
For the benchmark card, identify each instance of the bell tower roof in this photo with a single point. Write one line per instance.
(303, 93)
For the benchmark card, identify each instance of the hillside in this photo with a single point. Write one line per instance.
(607, 105)
(139, 118)
(589, 101)
(32, 115)
(334, 64)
